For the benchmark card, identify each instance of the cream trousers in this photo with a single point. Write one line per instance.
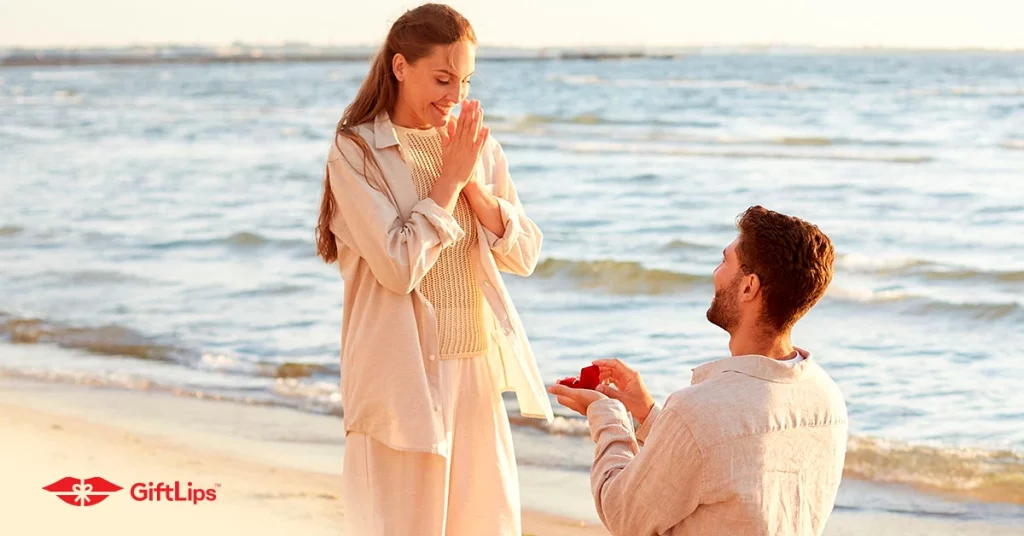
(475, 491)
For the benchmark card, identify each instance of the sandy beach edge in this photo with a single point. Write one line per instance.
(272, 469)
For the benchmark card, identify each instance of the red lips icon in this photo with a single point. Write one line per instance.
(83, 491)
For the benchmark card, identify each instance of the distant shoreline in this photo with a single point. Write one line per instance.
(72, 60)
(239, 54)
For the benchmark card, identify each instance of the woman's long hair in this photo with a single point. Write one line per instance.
(413, 35)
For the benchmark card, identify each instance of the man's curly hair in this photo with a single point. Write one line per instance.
(792, 258)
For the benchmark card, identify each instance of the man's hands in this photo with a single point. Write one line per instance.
(577, 400)
(618, 381)
(626, 387)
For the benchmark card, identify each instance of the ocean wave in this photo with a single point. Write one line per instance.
(535, 123)
(245, 239)
(791, 141)
(633, 278)
(965, 91)
(231, 364)
(531, 121)
(107, 340)
(280, 289)
(560, 425)
(857, 262)
(301, 370)
(712, 84)
(666, 130)
(869, 296)
(925, 269)
(240, 240)
(683, 245)
(11, 230)
(686, 83)
(990, 210)
(988, 475)
(237, 365)
(67, 95)
(1012, 276)
(977, 311)
(677, 150)
(30, 134)
(70, 74)
(120, 341)
(118, 380)
(319, 397)
(86, 277)
(619, 277)
(574, 79)
(798, 141)
(919, 305)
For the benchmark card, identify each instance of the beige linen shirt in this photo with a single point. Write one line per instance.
(387, 240)
(753, 447)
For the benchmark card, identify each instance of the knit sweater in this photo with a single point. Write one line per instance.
(450, 285)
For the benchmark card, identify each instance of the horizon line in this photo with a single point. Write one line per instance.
(524, 48)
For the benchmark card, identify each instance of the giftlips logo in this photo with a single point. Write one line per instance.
(91, 491)
(83, 491)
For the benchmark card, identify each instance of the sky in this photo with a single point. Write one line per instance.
(523, 23)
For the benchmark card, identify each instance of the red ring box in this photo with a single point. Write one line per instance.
(589, 378)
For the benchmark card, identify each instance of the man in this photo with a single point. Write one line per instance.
(756, 444)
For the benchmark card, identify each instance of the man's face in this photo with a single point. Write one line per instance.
(725, 306)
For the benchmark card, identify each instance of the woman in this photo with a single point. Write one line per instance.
(421, 214)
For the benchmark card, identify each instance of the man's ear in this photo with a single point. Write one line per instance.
(398, 66)
(751, 287)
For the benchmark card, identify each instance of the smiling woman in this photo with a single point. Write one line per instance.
(420, 213)
(433, 85)
(431, 33)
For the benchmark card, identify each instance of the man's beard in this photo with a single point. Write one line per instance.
(724, 311)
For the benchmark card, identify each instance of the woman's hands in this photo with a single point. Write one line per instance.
(462, 143)
(463, 140)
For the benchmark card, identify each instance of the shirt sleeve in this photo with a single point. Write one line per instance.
(518, 249)
(643, 492)
(399, 252)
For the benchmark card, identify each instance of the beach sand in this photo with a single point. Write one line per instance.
(275, 470)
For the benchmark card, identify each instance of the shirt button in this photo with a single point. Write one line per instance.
(437, 409)
(487, 283)
(433, 357)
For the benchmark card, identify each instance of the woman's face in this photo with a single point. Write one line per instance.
(429, 88)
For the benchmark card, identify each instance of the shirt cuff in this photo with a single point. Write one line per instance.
(608, 412)
(448, 230)
(504, 244)
(645, 427)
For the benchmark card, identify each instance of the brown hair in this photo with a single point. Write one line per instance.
(413, 35)
(792, 258)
